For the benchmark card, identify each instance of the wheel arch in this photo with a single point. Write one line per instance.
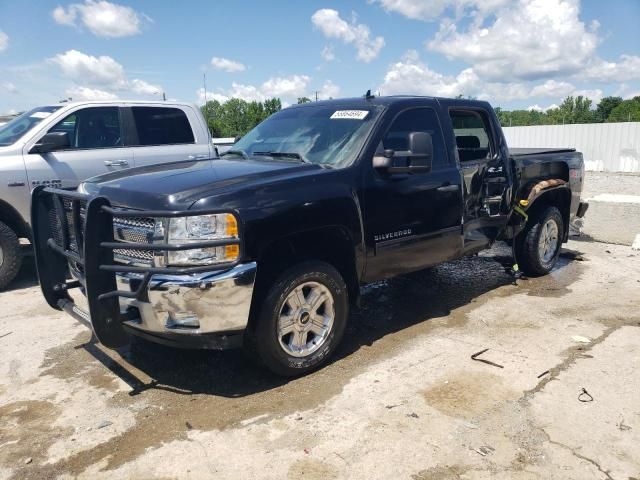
(12, 218)
(559, 197)
(331, 244)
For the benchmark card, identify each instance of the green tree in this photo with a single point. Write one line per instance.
(573, 110)
(303, 100)
(236, 117)
(606, 105)
(272, 106)
(627, 111)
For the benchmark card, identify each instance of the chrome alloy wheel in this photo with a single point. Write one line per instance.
(548, 242)
(306, 319)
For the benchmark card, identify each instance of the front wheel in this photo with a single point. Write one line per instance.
(10, 255)
(538, 247)
(301, 320)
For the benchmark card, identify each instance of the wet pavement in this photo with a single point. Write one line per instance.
(402, 398)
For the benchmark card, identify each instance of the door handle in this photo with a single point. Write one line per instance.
(116, 163)
(198, 157)
(448, 188)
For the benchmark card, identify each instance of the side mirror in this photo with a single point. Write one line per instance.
(421, 148)
(51, 142)
(417, 159)
(385, 160)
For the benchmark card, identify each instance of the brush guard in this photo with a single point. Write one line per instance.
(87, 245)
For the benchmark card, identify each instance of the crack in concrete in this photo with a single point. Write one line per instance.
(575, 353)
(581, 457)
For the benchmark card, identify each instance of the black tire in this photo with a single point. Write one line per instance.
(262, 338)
(11, 257)
(529, 258)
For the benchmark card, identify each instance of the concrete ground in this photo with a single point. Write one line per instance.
(614, 207)
(403, 398)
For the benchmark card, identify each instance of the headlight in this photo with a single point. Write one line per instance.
(200, 228)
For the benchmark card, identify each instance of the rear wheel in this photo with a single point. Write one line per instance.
(10, 255)
(539, 245)
(301, 320)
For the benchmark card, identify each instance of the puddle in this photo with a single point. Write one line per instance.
(26, 432)
(468, 394)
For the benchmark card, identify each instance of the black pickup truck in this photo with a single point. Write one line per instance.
(267, 247)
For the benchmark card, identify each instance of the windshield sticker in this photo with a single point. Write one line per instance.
(40, 115)
(350, 114)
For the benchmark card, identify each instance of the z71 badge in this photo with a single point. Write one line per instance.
(392, 235)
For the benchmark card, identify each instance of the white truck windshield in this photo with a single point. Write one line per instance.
(19, 126)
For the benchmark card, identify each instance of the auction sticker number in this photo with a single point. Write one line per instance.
(350, 114)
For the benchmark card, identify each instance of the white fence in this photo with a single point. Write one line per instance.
(607, 147)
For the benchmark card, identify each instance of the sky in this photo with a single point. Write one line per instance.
(513, 53)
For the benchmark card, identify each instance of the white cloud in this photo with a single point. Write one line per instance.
(328, 90)
(429, 10)
(528, 39)
(552, 88)
(4, 41)
(411, 76)
(538, 108)
(103, 72)
(328, 21)
(86, 93)
(327, 53)
(227, 65)
(102, 18)
(593, 94)
(141, 87)
(9, 87)
(220, 97)
(291, 87)
(628, 68)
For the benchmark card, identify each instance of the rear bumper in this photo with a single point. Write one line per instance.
(182, 308)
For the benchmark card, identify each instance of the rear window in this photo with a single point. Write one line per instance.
(161, 126)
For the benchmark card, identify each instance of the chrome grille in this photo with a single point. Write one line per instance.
(125, 230)
(133, 230)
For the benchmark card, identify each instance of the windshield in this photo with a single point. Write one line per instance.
(16, 128)
(324, 135)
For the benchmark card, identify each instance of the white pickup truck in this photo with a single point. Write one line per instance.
(62, 145)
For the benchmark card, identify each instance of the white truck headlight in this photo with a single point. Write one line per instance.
(200, 228)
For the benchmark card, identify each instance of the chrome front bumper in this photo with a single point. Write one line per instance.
(191, 305)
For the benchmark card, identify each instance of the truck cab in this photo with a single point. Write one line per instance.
(267, 246)
(61, 145)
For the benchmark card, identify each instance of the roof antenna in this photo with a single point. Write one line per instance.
(368, 95)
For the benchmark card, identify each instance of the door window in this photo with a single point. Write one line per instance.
(96, 127)
(472, 135)
(416, 120)
(161, 126)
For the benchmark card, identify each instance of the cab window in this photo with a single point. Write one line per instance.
(416, 120)
(473, 138)
(162, 126)
(96, 127)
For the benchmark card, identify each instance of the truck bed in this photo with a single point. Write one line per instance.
(519, 152)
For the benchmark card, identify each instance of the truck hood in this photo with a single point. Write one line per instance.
(177, 185)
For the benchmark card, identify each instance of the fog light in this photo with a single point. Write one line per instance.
(183, 320)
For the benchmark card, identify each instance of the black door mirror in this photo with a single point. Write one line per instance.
(51, 142)
(383, 160)
(421, 148)
(417, 158)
